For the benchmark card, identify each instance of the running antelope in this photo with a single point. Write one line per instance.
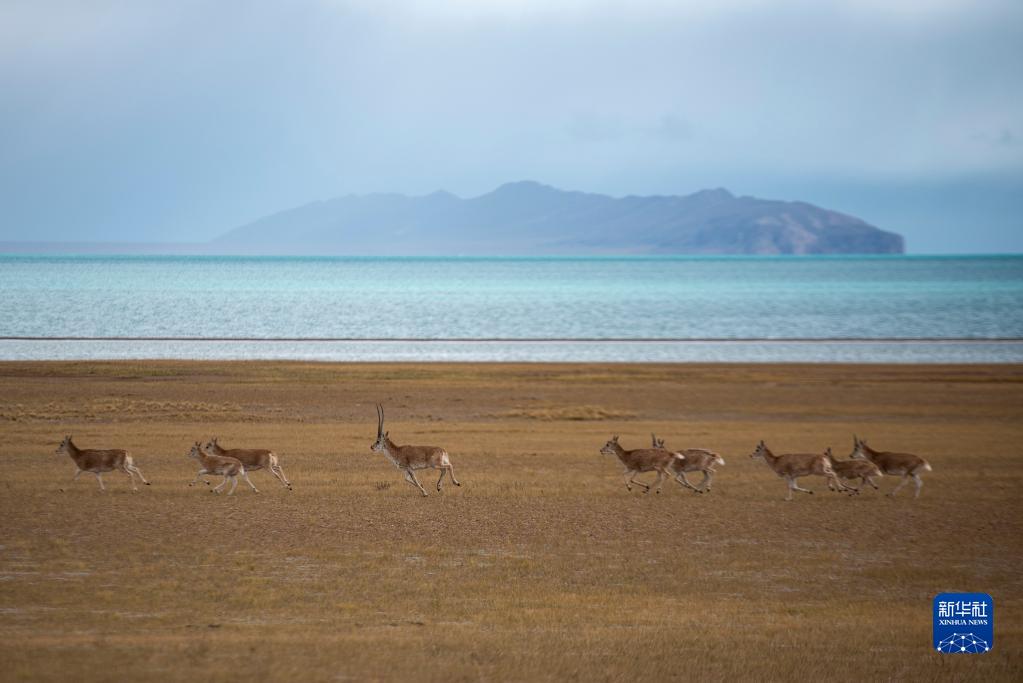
(251, 458)
(408, 459)
(791, 466)
(229, 467)
(693, 460)
(643, 460)
(100, 461)
(906, 464)
(851, 469)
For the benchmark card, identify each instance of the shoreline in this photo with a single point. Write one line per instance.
(899, 351)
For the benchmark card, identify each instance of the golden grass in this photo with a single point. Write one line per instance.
(541, 566)
(573, 413)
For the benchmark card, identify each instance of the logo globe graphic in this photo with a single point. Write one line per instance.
(963, 642)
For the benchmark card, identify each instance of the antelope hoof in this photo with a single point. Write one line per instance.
(457, 484)
(148, 484)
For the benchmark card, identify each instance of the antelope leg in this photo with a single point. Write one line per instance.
(792, 484)
(919, 485)
(658, 482)
(681, 479)
(131, 479)
(630, 479)
(410, 477)
(905, 480)
(279, 473)
(797, 487)
(136, 470)
(247, 481)
(99, 478)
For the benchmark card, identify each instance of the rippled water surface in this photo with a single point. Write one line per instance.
(577, 302)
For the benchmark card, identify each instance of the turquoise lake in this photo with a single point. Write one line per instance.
(858, 309)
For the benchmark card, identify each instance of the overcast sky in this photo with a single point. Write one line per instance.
(179, 120)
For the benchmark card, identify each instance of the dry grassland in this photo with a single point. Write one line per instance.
(542, 566)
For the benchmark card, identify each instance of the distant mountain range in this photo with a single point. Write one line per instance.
(526, 217)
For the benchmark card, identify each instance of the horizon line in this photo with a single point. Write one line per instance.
(543, 340)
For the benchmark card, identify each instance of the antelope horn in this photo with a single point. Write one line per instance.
(380, 419)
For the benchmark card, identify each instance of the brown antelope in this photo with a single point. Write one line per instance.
(408, 459)
(100, 461)
(791, 466)
(906, 464)
(643, 460)
(693, 460)
(229, 467)
(251, 458)
(851, 469)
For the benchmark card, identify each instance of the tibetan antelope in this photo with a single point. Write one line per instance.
(100, 461)
(251, 458)
(643, 460)
(906, 464)
(693, 460)
(851, 469)
(791, 466)
(408, 459)
(229, 467)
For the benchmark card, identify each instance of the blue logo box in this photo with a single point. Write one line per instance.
(964, 623)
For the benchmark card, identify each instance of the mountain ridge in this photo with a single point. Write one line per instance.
(525, 217)
(528, 217)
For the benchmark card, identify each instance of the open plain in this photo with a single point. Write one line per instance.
(541, 566)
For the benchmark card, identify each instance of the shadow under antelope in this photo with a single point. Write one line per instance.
(100, 461)
(408, 459)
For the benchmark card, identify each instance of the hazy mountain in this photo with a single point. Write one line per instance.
(530, 218)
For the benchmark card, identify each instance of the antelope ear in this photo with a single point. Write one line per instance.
(387, 435)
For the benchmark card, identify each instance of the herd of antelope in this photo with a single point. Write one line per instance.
(864, 464)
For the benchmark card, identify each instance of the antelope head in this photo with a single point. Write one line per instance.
(380, 445)
(761, 450)
(196, 451)
(611, 447)
(857, 452)
(64, 446)
(828, 455)
(655, 442)
(210, 445)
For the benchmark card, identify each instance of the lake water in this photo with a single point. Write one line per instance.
(856, 309)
